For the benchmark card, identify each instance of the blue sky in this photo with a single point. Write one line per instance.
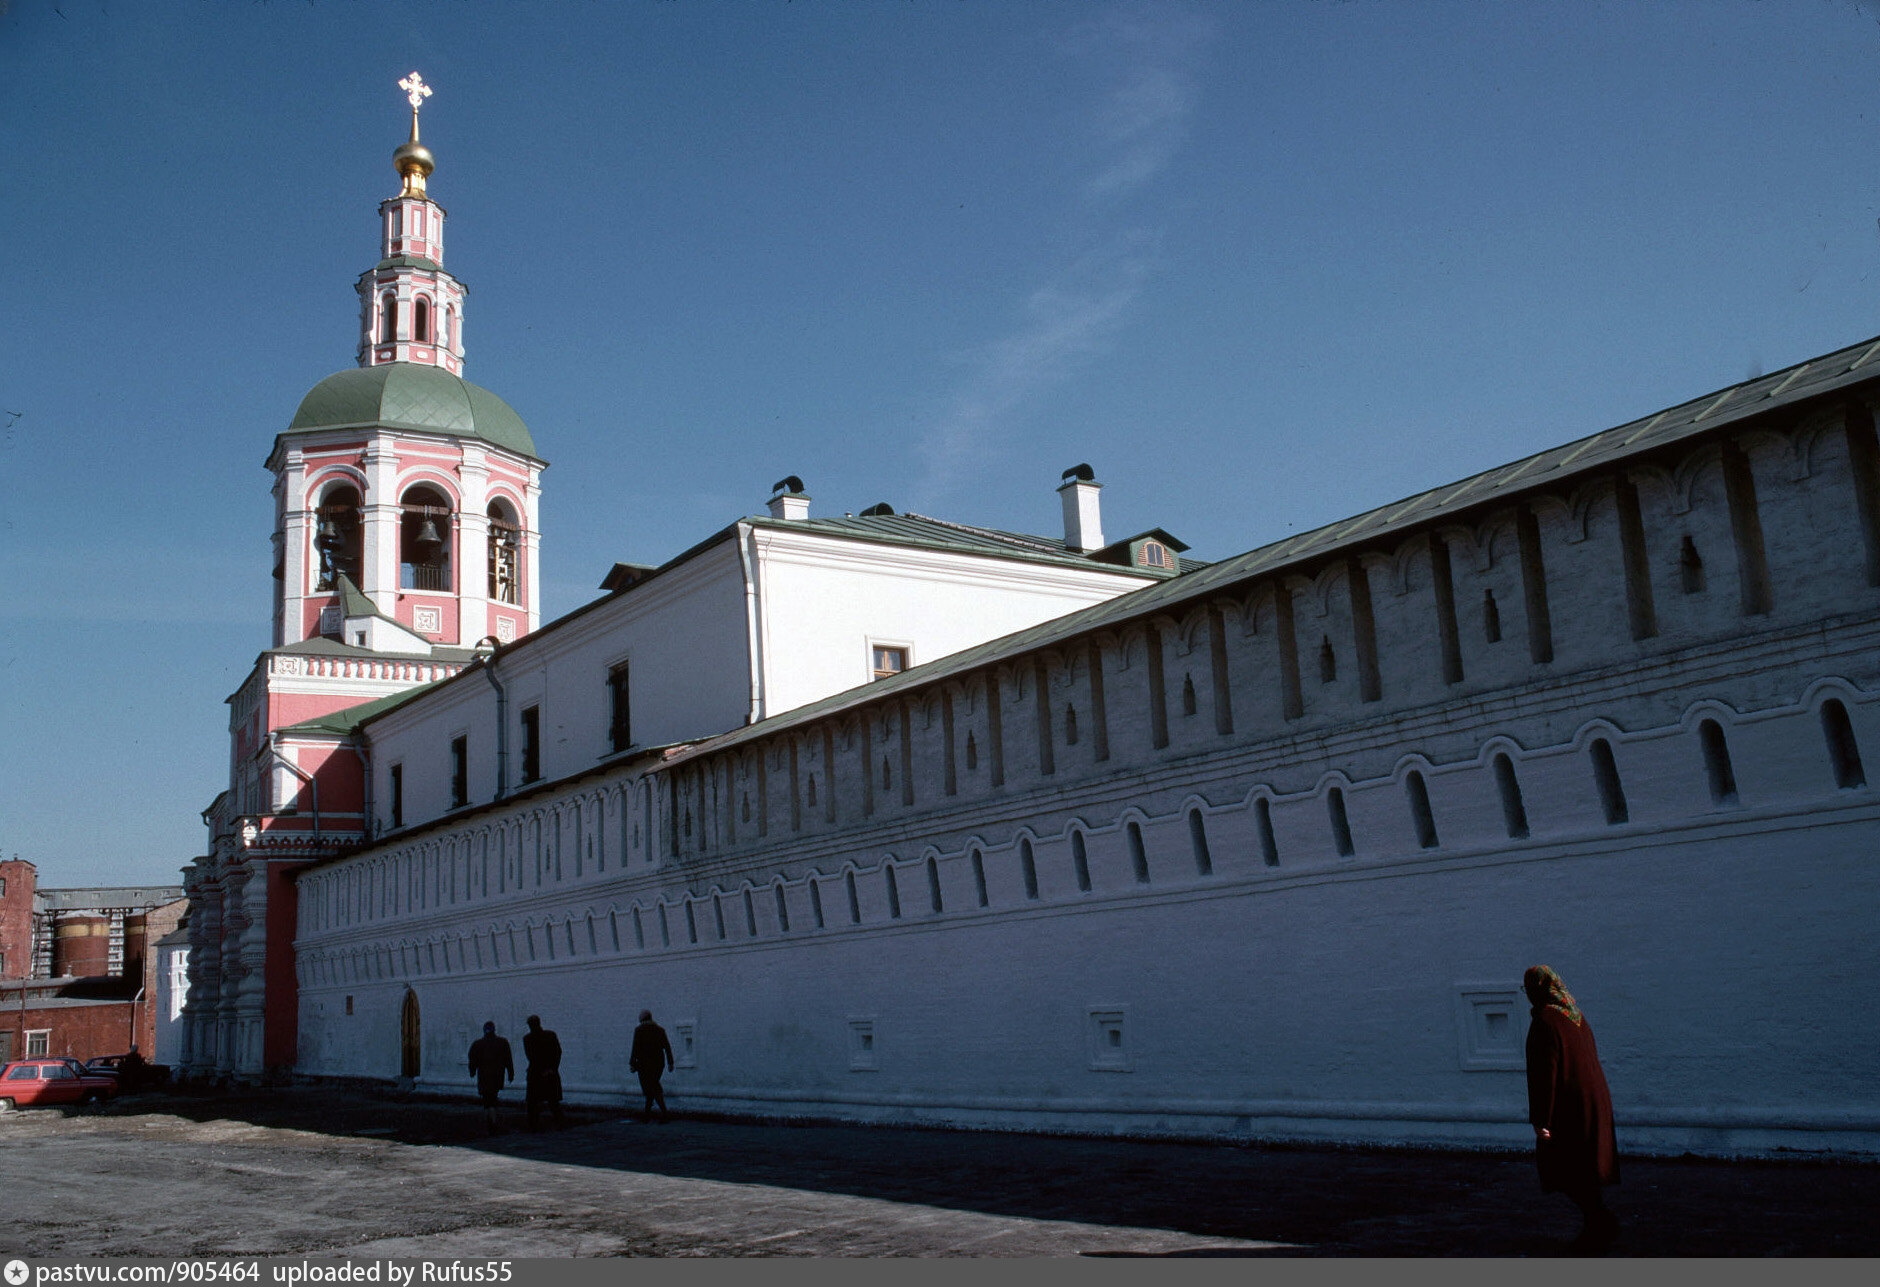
(1262, 265)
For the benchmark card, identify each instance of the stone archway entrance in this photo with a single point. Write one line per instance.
(408, 1046)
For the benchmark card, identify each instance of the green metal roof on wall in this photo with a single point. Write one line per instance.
(410, 395)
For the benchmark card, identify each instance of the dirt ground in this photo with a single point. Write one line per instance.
(326, 1172)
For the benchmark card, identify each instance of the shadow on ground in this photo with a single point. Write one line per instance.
(1319, 1200)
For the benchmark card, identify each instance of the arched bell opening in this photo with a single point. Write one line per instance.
(424, 540)
(421, 320)
(505, 554)
(388, 318)
(336, 535)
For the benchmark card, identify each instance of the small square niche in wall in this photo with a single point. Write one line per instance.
(862, 1050)
(1491, 1027)
(685, 1044)
(1109, 1040)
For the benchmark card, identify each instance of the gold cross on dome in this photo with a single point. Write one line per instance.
(416, 91)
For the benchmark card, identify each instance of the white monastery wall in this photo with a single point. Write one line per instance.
(1282, 933)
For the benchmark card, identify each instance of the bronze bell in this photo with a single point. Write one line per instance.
(427, 535)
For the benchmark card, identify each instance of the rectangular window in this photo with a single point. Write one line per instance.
(620, 727)
(531, 743)
(459, 772)
(398, 795)
(38, 1043)
(179, 982)
(889, 662)
(3, 886)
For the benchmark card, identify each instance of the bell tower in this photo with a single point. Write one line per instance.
(406, 497)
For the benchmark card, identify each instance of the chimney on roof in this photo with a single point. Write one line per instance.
(788, 500)
(1083, 519)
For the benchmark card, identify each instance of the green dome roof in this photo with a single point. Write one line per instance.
(408, 395)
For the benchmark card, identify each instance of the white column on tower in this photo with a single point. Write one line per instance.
(473, 544)
(379, 554)
(296, 581)
(532, 545)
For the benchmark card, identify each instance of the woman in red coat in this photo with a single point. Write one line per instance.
(1569, 1106)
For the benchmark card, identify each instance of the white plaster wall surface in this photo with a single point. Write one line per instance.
(824, 600)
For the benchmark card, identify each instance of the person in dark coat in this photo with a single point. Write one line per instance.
(651, 1057)
(492, 1065)
(542, 1048)
(1570, 1107)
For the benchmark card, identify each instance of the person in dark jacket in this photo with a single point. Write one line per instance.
(1570, 1107)
(651, 1057)
(542, 1048)
(492, 1065)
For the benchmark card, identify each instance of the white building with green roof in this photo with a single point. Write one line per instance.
(889, 818)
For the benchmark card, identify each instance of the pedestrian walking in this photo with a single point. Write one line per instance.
(651, 1057)
(1570, 1107)
(492, 1065)
(542, 1048)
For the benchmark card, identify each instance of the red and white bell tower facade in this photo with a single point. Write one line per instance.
(405, 537)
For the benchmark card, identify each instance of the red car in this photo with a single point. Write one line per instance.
(33, 1083)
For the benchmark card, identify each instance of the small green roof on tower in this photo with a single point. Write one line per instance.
(407, 395)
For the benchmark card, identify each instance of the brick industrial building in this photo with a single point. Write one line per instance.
(79, 969)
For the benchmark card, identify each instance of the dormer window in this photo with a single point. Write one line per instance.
(889, 662)
(1154, 554)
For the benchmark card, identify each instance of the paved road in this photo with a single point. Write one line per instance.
(297, 1172)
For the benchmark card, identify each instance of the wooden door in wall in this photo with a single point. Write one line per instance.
(408, 1036)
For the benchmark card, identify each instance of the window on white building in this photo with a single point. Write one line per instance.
(889, 662)
(179, 981)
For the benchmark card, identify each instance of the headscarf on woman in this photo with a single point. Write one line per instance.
(1546, 992)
